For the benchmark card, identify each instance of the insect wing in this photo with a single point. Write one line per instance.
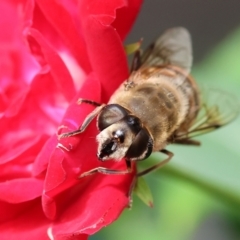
(174, 47)
(218, 108)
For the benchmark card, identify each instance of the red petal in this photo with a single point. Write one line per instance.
(25, 11)
(30, 224)
(10, 211)
(63, 16)
(41, 162)
(21, 189)
(126, 17)
(19, 145)
(96, 205)
(23, 150)
(104, 10)
(104, 45)
(18, 67)
(59, 71)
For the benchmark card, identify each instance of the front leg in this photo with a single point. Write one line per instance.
(87, 120)
(109, 171)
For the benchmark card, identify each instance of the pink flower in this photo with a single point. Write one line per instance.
(52, 53)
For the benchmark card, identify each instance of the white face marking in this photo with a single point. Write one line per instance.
(121, 148)
(120, 153)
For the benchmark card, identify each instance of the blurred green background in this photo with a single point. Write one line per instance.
(197, 195)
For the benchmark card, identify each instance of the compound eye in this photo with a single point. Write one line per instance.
(112, 113)
(133, 123)
(141, 147)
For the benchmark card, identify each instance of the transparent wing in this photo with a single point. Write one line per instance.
(174, 47)
(218, 108)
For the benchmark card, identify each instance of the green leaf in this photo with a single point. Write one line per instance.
(131, 48)
(143, 192)
(223, 194)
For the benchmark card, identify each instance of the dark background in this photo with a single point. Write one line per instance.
(208, 21)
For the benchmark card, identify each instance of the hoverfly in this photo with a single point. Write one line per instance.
(157, 105)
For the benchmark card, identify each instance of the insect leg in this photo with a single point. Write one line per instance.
(187, 141)
(136, 62)
(158, 165)
(82, 100)
(109, 171)
(86, 122)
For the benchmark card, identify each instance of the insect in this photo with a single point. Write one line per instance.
(157, 105)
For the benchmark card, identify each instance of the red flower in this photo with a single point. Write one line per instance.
(52, 53)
